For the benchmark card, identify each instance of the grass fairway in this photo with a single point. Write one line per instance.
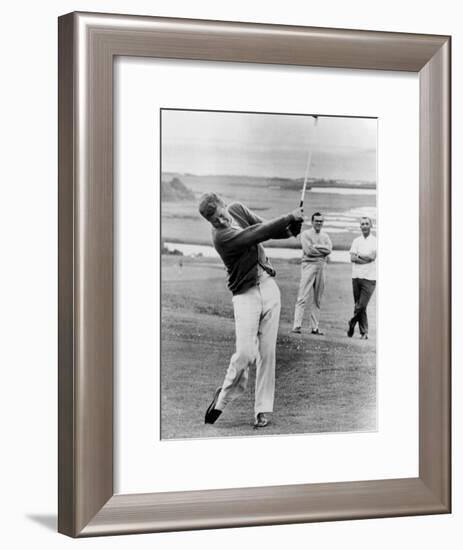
(323, 383)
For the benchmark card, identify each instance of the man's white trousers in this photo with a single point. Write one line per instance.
(311, 288)
(257, 315)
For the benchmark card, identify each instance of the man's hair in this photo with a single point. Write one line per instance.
(367, 218)
(316, 214)
(208, 205)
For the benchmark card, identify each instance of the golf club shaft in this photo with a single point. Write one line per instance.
(309, 160)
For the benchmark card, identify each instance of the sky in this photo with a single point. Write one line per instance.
(268, 145)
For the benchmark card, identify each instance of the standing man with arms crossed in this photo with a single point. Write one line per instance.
(316, 247)
(237, 233)
(363, 258)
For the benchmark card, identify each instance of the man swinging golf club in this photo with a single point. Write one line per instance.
(237, 234)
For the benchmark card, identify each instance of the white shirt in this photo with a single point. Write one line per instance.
(364, 247)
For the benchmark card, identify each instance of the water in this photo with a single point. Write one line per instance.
(338, 256)
(343, 190)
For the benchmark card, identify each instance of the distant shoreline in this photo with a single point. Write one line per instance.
(277, 181)
(268, 244)
(208, 251)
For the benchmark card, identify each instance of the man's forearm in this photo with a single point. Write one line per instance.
(314, 253)
(254, 234)
(366, 259)
(324, 250)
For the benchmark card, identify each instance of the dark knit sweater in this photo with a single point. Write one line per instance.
(239, 248)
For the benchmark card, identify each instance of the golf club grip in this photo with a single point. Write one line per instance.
(301, 204)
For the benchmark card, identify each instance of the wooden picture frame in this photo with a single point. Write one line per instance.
(88, 44)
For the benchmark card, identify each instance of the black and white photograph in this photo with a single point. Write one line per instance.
(232, 231)
(268, 274)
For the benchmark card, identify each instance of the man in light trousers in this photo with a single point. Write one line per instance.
(237, 233)
(316, 247)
